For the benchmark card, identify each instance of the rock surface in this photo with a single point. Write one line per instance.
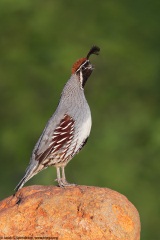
(71, 213)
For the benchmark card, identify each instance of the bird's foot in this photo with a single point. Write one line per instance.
(63, 183)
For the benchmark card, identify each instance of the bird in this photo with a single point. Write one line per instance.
(68, 129)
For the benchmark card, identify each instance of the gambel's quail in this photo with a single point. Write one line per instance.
(68, 129)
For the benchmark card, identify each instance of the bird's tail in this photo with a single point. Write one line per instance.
(30, 172)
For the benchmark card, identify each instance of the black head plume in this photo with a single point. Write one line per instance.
(93, 50)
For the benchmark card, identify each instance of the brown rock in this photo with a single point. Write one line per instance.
(79, 212)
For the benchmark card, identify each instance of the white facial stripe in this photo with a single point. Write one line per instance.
(82, 65)
(81, 78)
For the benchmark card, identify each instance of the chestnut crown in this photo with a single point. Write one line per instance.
(81, 61)
(83, 68)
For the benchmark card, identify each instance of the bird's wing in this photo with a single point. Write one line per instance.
(61, 136)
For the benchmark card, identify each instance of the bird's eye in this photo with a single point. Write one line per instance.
(85, 66)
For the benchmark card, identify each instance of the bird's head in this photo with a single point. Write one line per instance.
(83, 67)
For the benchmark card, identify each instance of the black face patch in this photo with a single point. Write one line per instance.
(84, 72)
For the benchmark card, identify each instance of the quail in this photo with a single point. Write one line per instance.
(68, 129)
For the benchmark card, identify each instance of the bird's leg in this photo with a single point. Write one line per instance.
(62, 182)
(59, 180)
(63, 179)
(63, 175)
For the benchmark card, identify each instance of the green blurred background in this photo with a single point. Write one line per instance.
(39, 42)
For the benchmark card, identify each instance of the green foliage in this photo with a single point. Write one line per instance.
(40, 40)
